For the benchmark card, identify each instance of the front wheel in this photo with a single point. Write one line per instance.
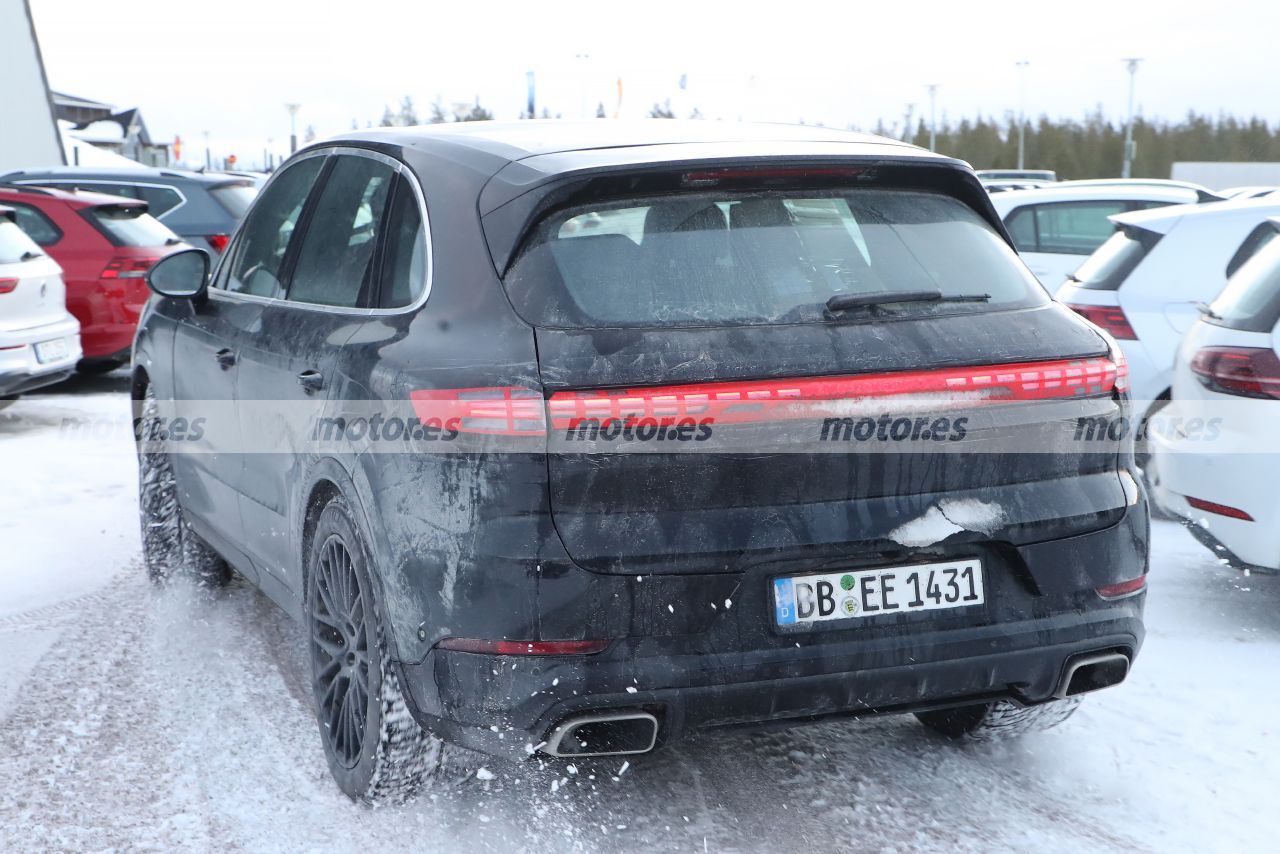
(170, 548)
(376, 751)
(999, 720)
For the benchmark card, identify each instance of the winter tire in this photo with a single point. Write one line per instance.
(170, 548)
(376, 750)
(999, 720)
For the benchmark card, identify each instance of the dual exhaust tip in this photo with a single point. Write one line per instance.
(626, 733)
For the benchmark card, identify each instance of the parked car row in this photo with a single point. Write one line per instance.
(1188, 283)
(77, 246)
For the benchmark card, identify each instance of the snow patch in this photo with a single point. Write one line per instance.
(949, 517)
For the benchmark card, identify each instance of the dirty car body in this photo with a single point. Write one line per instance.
(534, 575)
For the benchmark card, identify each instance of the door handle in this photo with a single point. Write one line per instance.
(311, 381)
(225, 357)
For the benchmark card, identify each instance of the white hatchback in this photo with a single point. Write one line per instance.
(1056, 228)
(1216, 451)
(39, 339)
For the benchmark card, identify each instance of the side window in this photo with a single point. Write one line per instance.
(336, 261)
(127, 190)
(1075, 228)
(37, 226)
(1022, 228)
(160, 200)
(259, 253)
(404, 262)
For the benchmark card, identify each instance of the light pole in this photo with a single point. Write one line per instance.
(1022, 111)
(1132, 66)
(933, 119)
(208, 155)
(293, 126)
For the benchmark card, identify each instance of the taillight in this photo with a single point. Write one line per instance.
(219, 242)
(505, 411)
(1109, 317)
(772, 400)
(128, 268)
(1219, 509)
(1241, 371)
(507, 647)
(8, 285)
(1124, 588)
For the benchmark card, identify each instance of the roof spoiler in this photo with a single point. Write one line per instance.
(8, 214)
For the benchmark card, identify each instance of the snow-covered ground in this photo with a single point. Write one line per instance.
(131, 718)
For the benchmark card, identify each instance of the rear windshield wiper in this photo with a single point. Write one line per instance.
(845, 302)
(31, 256)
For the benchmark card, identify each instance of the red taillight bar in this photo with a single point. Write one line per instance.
(1219, 509)
(128, 268)
(508, 647)
(8, 286)
(517, 411)
(1110, 317)
(1241, 371)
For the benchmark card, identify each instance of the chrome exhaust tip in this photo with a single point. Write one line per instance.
(604, 734)
(1092, 673)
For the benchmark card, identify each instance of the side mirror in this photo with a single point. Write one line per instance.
(182, 275)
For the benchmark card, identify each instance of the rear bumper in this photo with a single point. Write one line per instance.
(108, 311)
(508, 705)
(21, 371)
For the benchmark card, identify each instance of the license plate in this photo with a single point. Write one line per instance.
(803, 599)
(51, 351)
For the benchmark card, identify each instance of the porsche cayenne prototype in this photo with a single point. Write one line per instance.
(570, 440)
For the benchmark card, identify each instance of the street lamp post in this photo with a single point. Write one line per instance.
(293, 126)
(933, 116)
(1127, 170)
(1022, 112)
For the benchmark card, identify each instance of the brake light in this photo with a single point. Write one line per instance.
(506, 647)
(1110, 317)
(1122, 368)
(497, 411)
(8, 286)
(128, 268)
(1241, 371)
(219, 242)
(712, 177)
(772, 400)
(1219, 509)
(1124, 588)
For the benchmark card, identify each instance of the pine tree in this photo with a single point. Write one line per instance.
(388, 118)
(662, 111)
(477, 114)
(438, 115)
(408, 116)
(600, 113)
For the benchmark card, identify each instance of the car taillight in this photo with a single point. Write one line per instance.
(219, 242)
(1219, 509)
(1109, 317)
(1240, 371)
(497, 411)
(506, 647)
(774, 400)
(8, 285)
(128, 268)
(1124, 588)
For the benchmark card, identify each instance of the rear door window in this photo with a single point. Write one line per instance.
(1251, 299)
(257, 260)
(763, 258)
(37, 226)
(1064, 228)
(336, 262)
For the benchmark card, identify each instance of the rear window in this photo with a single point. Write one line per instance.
(1108, 267)
(1251, 245)
(1251, 299)
(777, 257)
(14, 243)
(236, 198)
(129, 225)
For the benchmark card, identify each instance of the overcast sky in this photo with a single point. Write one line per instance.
(229, 66)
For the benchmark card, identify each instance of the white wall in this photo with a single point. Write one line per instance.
(1220, 176)
(28, 134)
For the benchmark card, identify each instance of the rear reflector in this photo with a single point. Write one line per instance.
(219, 242)
(8, 286)
(1109, 317)
(128, 268)
(1240, 371)
(1124, 588)
(1219, 509)
(506, 647)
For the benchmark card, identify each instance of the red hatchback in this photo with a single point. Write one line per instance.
(105, 245)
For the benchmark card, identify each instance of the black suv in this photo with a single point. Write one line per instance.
(202, 209)
(571, 439)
